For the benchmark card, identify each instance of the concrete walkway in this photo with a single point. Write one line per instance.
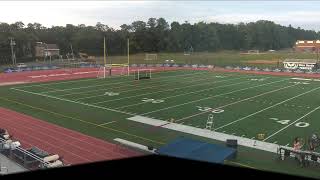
(7, 166)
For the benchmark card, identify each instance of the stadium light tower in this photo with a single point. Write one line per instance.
(72, 52)
(317, 54)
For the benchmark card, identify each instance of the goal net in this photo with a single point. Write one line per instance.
(188, 51)
(142, 74)
(113, 70)
(253, 51)
(151, 57)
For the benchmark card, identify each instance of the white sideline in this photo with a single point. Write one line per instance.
(303, 79)
(270, 147)
(12, 83)
(76, 102)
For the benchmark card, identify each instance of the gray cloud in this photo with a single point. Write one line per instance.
(115, 13)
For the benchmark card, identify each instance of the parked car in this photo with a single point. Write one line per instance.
(21, 65)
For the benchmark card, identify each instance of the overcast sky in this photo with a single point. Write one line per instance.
(305, 14)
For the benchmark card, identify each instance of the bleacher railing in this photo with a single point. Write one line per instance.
(25, 153)
(307, 156)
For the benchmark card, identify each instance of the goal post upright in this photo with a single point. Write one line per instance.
(128, 57)
(104, 57)
(120, 69)
(104, 51)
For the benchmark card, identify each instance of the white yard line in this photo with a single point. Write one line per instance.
(67, 100)
(133, 85)
(97, 90)
(183, 94)
(165, 90)
(192, 80)
(80, 80)
(236, 102)
(208, 98)
(64, 82)
(122, 82)
(107, 123)
(307, 114)
(228, 124)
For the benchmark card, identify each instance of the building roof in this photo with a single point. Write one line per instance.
(307, 43)
(51, 46)
(300, 61)
(48, 46)
(196, 150)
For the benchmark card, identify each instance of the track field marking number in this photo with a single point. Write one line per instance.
(257, 79)
(111, 93)
(152, 100)
(209, 109)
(302, 124)
(286, 121)
(299, 82)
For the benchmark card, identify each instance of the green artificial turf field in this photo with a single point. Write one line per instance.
(243, 105)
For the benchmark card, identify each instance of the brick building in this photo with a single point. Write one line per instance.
(43, 49)
(307, 46)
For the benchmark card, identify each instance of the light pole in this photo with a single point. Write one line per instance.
(72, 52)
(45, 52)
(13, 56)
(317, 54)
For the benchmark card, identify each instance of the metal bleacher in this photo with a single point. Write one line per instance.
(27, 158)
(308, 157)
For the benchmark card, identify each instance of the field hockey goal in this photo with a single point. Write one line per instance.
(151, 57)
(142, 74)
(109, 70)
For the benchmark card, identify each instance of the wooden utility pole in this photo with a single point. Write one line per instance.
(13, 56)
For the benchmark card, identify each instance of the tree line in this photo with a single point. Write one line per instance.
(155, 35)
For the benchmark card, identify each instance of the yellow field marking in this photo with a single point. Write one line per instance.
(240, 164)
(94, 124)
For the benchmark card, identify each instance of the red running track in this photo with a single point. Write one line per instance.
(58, 75)
(79, 73)
(74, 147)
(270, 73)
(47, 75)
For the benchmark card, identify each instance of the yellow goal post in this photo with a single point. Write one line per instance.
(113, 70)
